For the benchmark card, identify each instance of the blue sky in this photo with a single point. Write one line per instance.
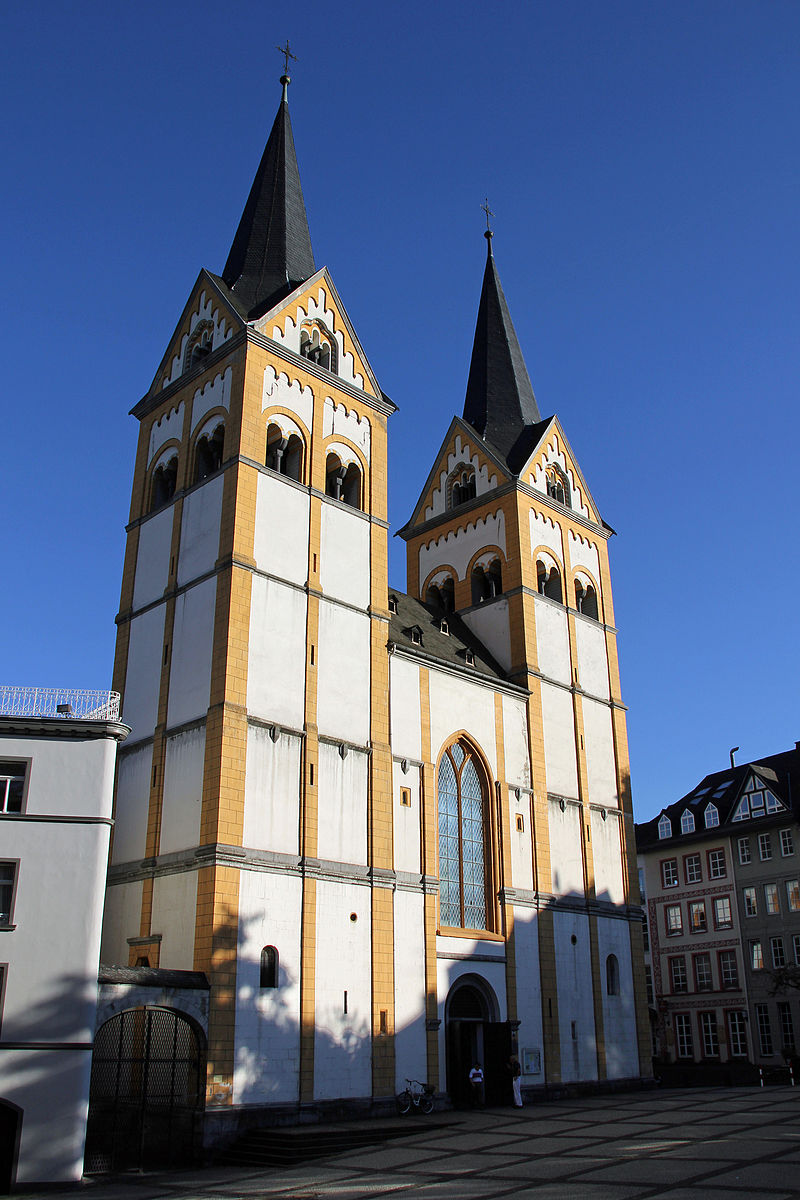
(641, 160)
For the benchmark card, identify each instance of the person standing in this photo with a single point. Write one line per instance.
(516, 1080)
(476, 1086)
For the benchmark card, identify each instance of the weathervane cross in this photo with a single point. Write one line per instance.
(287, 54)
(489, 213)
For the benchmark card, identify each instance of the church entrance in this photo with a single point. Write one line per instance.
(10, 1120)
(475, 1035)
(147, 1092)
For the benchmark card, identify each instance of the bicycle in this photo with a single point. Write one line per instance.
(420, 1095)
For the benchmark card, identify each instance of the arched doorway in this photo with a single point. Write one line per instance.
(474, 1034)
(147, 1091)
(10, 1127)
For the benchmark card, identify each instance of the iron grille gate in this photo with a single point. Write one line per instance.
(146, 1095)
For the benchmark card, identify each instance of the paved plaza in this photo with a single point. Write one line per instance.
(690, 1144)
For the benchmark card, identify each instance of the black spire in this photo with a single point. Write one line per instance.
(500, 403)
(271, 253)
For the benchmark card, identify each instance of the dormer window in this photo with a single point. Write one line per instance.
(687, 821)
(393, 605)
(415, 633)
(665, 827)
(444, 627)
(469, 658)
(712, 816)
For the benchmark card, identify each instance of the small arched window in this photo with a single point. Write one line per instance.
(318, 345)
(269, 967)
(548, 581)
(481, 586)
(665, 827)
(495, 574)
(199, 345)
(463, 881)
(586, 599)
(612, 975)
(557, 485)
(343, 483)
(461, 486)
(712, 816)
(687, 821)
(208, 453)
(285, 455)
(165, 478)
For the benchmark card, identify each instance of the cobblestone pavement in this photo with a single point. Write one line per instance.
(689, 1144)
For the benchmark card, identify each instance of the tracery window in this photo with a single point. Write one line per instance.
(462, 841)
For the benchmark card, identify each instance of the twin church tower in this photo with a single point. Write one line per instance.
(393, 829)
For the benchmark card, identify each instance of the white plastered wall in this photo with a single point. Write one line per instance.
(515, 742)
(457, 548)
(490, 624)
(122, 918)
(405, 708)
(52, 1089)
(192, 646)
(406, 824)
(174, 906)
(566, 849)
(168, 427)
(583, 553)
(343, 675)
(575, 996)
(183, 790)
(143, 672)
(199, 548)
(600, 760)
(558, 728)
(344, 556)
(215, 393)
(342, 805)
(619, 1012)
(342, 1041)
(132, 804)
(607, 856)
(267, 1054)
(339, 421)
(552, 640)
(520, 842)
(277, 653)
(590, 642)
(281, 538)
(291, 396)
(152, 557)
(529, 989)
(457, 703)
(546, 532)
(272, 791)
(409, 988)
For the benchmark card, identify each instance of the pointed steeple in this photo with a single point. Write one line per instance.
(271, 252)
(500, 403)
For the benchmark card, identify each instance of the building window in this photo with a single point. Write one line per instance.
(687, 821)
(12, 786)
(756, 956)
(764, 1031)
(787, 843)
(318, 345)
(285, 454)
(586, 599)
(669, 872)
(750, 902)
(764, 847)
(697, 916)
(712, 816)
(702, 972)
(462, 841)
(269, 967)
(208, 453)
(787, 1025)
(8, 887)
(461, 486)
(772, 904)
(557, 485)
(199, 345)
(716, 864)
(723, 918)
(708, 1031)
(793, 895)
(486, 583)
(737, 1034)
(728, 969)
(645, 936)
(548, 581)
(778, 952)
(341, 482)
(648, 983)
(743, 845)
(677, 976)
(164, 482)
(683, 1035)
(665, 827)
(692, 869)
(796, 948)
(673, 920)
(612, 975)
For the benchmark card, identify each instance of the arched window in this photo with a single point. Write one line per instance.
(496, 577)
(586, 599)
(557, 485)
(285, 455)
(665, 827)
(199, 345)
(461, 485)
(463, 882)
(208, 453)
(343, 483)
(318, 345)
(165, 478)
(712, 816)
(612, 975)
(269, 967)
(548, 581)
(687, 821)
(481, 585)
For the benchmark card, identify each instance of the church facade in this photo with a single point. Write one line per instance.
(393, 829)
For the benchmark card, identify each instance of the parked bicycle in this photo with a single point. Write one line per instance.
(417, 1095)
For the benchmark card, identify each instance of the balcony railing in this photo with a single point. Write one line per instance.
(64, 703)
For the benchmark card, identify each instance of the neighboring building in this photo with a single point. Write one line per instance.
(57, 757)
(722, 879)
(393, 831)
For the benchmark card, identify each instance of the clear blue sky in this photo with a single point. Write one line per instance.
(641, 160)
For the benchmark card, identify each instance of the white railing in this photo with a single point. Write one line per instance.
(58, 702)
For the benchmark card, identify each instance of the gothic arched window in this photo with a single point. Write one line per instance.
(462, 841)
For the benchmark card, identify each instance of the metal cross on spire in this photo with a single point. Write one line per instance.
(287, 54)
(489, 213)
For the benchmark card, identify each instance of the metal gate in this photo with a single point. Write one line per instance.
(147, 1092)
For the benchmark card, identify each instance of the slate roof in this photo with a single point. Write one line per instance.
(500, 404)
(781, 774)
(447, 648)
(271, 253)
